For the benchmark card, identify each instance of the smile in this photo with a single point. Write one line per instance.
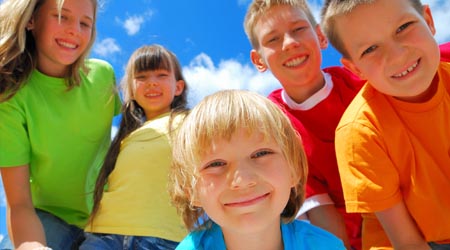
(248, 202)
(407, 71)
(295, 62)
(67, 45)
(152, 95)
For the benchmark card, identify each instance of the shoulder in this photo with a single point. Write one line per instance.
(208, 239)
(342, 76)
(99, 72)
(99, 68)
(445, 52)
(307, 236)
(367, 106)
(275, 96)
(94, 63)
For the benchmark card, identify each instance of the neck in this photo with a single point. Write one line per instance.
(300, 92)
(266, 239)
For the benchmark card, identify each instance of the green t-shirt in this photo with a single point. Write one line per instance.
(63, 136)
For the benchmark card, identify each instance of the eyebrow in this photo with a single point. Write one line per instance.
(85, 16)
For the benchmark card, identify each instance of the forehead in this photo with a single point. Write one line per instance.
(81, 7)
(373, 22)
(279, 14)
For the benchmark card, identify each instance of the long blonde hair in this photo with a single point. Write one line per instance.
(18, 49)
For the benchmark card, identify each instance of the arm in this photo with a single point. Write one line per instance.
(24, 226)
(401, 228)
(327, 217)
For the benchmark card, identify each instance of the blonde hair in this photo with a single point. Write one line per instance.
(18, 49)
(220, 115)
(259, 8)
(332, 9)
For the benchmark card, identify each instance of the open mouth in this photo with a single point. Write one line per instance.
(153, 95)
(408, 70)
(296, 61)
(66, 44)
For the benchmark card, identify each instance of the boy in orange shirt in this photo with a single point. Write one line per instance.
(393, 141)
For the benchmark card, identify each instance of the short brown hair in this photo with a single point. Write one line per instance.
(334, 8)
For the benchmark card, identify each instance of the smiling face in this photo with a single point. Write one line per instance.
(392, 46)
(244, 183)
(60, 42)
(155, 91)
(290, 47)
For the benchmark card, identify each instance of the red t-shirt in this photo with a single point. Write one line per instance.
(445, 52)
(317, 129)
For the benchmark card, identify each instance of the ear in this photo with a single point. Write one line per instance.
(30, 24)
(348, 64)
(428, 18)
(258, 61)
(179, 87)
(323, 40)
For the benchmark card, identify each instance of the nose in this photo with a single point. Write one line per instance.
(152, 81)
(395, 51)
(289, 41)
(73, 27)
(243, 176)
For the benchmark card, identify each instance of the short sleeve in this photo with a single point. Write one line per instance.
(14, 143)
(370, 181)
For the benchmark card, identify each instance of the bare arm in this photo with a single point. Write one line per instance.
(25, 228)
(328, 218)
(401, 228)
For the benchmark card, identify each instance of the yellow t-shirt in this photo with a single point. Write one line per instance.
(137, 201)
(389, 150)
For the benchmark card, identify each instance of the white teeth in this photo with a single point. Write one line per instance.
(404, 73)
(152, 95)
(67, 45)
(296, 62)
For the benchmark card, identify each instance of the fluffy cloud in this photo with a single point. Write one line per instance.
(106, 47)
(133, 24)
(204, 78)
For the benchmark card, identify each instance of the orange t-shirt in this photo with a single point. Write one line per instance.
(389, 150)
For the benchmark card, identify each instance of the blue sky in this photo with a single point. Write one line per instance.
(208, 38)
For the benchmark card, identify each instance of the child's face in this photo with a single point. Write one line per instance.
(289, 46)
(392, 46)
(61, 42)
(155, 91)
(244, 184)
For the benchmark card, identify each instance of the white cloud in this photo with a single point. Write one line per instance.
(133, 24)
(440, 10)
(106, 47)
(204, 78)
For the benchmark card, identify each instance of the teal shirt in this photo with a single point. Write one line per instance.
(297, 235)
(63, 136)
